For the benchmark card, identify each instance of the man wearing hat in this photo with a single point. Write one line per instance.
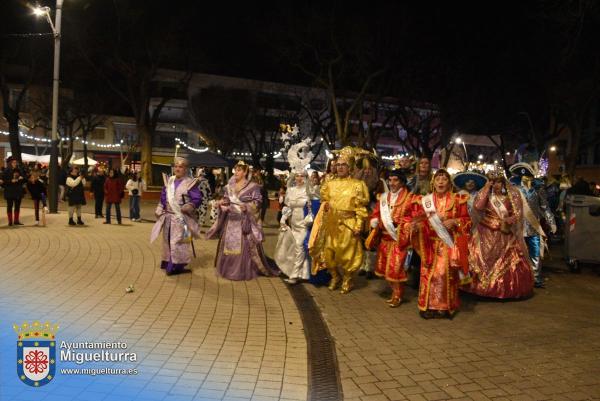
(389, 234)
(469, 183)
(344, 207)
(535, 208)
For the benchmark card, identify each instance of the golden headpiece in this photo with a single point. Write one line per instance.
(349, 154)
(496, 173)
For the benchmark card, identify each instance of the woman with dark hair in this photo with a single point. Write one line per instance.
(135, 185)
(442, 224)
(240, 253)
(497, 251)
(12, 181)
(75, 193)
(37, 189)
(113, 193)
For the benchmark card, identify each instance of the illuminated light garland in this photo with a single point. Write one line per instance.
(276, 155)
(62, 139)
(197, 150)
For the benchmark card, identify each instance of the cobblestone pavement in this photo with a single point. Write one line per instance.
(543, 348)
(197, 337)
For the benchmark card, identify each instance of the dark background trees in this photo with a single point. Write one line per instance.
(522, 70)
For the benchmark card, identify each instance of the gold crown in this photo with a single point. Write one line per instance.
(496, 172)
(36, 330)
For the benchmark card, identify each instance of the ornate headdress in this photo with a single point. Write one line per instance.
(299, 156)
(349, 154)
(496, 173)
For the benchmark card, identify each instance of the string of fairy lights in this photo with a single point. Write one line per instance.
(193, 149)
(67, 139)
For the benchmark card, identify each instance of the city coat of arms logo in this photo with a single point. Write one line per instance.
(36, 353)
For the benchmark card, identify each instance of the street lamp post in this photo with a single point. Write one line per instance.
(53, 169)
(460, 141)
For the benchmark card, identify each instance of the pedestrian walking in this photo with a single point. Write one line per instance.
(37, 189)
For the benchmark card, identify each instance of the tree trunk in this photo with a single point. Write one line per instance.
(146, 152)
(13, 137)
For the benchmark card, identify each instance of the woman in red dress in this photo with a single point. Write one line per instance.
(498, 256)
(440, 226)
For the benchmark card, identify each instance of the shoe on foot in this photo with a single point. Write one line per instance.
(72, 222)
(18, 223)
(37, 223)
(291, 280)
(106, 222)
(80, 222)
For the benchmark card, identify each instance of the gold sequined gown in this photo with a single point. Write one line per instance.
(342, 249)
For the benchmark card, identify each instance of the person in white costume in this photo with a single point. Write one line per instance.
(290, 254)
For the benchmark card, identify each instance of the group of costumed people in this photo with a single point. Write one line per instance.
(471, 232)
(240, 254)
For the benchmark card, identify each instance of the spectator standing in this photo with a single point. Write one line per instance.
(98, 191)
(75, 193)
(12, 181)
(135, 186)
(113, 193)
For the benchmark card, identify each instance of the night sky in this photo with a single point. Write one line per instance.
(491, 58)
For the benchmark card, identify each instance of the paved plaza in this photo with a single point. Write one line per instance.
(199, 337)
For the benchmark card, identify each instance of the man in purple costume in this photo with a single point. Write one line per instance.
(240, 253)
(176, 218)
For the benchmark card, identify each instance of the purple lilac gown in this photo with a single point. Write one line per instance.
(240, 254)
(176, 254)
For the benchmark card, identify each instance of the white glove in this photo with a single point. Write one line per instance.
(374, 223)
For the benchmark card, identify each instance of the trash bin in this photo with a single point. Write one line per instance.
(582, 230)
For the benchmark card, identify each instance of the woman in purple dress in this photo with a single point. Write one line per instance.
(240, 253)
(176, 217)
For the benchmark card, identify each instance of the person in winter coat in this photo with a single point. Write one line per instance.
(37, 189)
(12, 181)
(98, 191)
(75, 193)
(113, 193)
(135, 186)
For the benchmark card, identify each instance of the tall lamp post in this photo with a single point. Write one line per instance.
(458, 141)
(53, 169)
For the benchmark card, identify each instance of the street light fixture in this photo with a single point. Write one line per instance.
(53, 169)
(552, 148)
(459, 141)
(480, 157)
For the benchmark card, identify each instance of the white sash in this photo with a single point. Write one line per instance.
(233, 198)
(435, 221)
(498, 206)
(176, 208)
(386, 216)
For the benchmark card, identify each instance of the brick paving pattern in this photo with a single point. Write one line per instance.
(544, 348)
(198, 337)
